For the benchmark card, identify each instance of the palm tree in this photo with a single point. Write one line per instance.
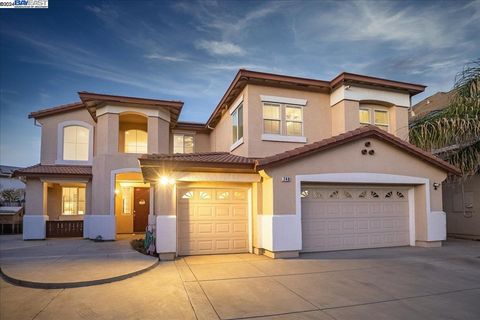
(453, 133)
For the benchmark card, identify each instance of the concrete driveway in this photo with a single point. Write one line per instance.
(393, 283)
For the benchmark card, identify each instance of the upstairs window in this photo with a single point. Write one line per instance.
(73, 200)
(272, 119)
(280, 119)
(136, 141)
(183, 143)
(75, 143)
(375, 117)
(237, 124)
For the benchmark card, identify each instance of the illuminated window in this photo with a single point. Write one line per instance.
(136, 141)
(293, 121)
(73, 200)
(381, 119)
(271, 118)
(182, 143)
(373, 116)
(364, 116)
(237, 123)
(75, 143)
(282, 119)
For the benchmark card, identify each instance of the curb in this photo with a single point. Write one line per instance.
(69, 285)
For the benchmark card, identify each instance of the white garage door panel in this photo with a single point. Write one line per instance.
(212, 221)
(354, 217)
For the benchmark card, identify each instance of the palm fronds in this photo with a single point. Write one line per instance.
(454, 132)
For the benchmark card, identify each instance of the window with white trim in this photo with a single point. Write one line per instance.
(375, 117)
(75, 143)
(282, 119)
(73, 200)
(136, 141)
(237, 123)
(183, 143)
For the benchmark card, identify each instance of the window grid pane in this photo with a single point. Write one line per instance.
(188, 144)
(294, 128)
(293, 114)
(240, 122)
(364, 116)
(381, 118)
(136, 141)
(271, 112)
(73, 200)
(75, 143)
(271, 126)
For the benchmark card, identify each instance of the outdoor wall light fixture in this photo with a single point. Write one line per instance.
(117, 191)
(166, 180)
(436, 185)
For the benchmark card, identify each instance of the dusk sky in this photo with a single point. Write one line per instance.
(190, 51)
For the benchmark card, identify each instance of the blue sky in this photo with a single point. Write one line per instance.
(190, 51)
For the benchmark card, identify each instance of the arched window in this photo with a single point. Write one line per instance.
(75, 143)
(135, 141)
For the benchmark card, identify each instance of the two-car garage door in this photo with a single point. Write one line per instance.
(353, 217)
(212, 220)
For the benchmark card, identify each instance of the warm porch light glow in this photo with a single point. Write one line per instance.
(166, 180)
(117, 191)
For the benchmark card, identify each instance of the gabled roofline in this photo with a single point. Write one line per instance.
(363, 132)
(244, 76)
(346, 77)
(56, 110)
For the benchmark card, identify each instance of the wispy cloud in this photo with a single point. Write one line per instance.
(220, 48)
(81, 61)
(156, 56)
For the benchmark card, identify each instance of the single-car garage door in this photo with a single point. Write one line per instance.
(353, 217)
(212, 221)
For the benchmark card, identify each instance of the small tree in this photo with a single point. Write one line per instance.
(454, 132)
(11, 195)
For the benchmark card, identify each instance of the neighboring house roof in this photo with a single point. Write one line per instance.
(362, 132)
(56, 110)
(246, 76)
(93, 100)
(6, 171)
(435, 102)
(41, 170)
(223, 160)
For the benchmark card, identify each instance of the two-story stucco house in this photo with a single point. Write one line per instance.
(283, 165)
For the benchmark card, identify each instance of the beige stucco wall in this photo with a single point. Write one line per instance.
(348, 158)
(316, 119)
(202, 142)
(221, 137)
(344, 117)
(158, 131)
(463, 208)
(48, 149)
(35, 197)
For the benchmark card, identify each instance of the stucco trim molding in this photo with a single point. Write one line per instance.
(237, 144)
(34, 226)
(273, 231)
(371, 178)
(99, 225)
(67, 123)
(166, 234)
(282, 138)
(284, 100)
(216, 176)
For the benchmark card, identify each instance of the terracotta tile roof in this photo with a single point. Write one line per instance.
(204, 157)
(362, 132)
(39, 170)
(57, 109)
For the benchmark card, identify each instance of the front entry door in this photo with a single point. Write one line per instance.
(141, 207)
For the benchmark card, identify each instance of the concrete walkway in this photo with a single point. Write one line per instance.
(394, 283)
(61, 263)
